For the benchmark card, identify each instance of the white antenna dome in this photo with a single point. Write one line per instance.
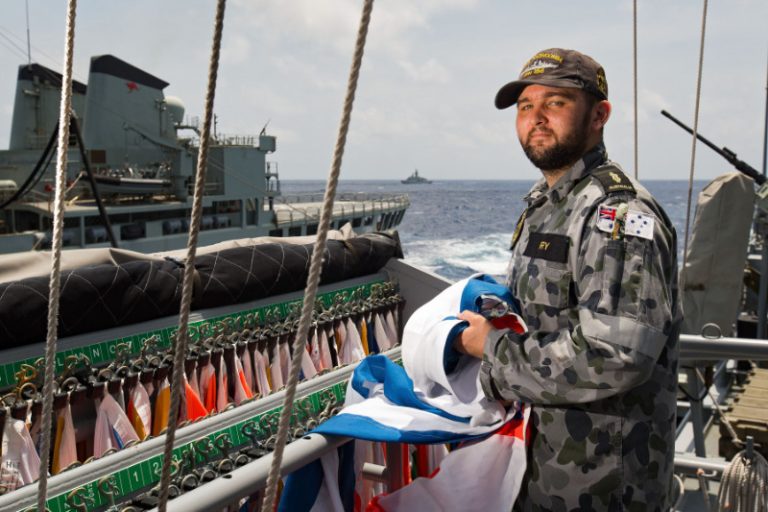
(175, 108)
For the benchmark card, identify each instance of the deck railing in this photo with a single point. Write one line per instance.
(349, 203)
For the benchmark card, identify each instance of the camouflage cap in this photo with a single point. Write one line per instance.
(556, 67)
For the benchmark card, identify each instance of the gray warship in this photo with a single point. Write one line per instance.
(415, 179)
(133, 152)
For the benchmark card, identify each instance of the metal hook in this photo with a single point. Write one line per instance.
(250, 431)
(716, 333)
(27, 385)
(79, 499)
(108, 487)
(223, 442)
(204, 447)
(26, 373)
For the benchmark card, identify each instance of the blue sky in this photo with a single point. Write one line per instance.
(431, 70)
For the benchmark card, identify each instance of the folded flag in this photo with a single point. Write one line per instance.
(314, 351)
(260, 364)
(222, 385)
(194, 405)
(247, 362)
(325, 350)
(113, 429)
(208, 387)
(382, 339)
(434, 398)
(20, 463)
(162, 408)
(352, 349)
(64, 448)
(139, 411)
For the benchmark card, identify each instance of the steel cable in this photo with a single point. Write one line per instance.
(634, 76)
(695, 132)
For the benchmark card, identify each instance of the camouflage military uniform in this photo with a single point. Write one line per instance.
(599, 364)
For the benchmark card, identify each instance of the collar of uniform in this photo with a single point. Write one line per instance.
(594, 157)
(538, 192)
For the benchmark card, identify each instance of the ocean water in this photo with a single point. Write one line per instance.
(456, 228)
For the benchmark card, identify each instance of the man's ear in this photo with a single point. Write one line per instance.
(600, 114)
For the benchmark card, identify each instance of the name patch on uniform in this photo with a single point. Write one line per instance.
(548, 246)
(639, 224)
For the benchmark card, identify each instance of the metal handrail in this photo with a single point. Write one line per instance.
(702, 348)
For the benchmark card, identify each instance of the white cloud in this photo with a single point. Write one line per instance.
(307, 72)
(430, 71)
(236, 49)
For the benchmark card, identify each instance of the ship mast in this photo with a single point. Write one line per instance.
(29, 44)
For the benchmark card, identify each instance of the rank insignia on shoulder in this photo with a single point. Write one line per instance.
(639, 224)
(613, 180)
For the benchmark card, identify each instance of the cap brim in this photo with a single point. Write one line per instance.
(508, 94)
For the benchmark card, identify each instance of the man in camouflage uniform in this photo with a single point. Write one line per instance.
(594, 268)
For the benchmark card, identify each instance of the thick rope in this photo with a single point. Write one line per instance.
(695, 132)
(634, 76)
(316, 264)
(744, 484)
(54, 285)
(182, 335)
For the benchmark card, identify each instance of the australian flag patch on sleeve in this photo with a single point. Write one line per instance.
(606, 218)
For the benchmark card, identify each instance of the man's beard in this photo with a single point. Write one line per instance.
(563, 153)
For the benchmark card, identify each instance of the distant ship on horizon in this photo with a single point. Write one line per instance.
(415, 179)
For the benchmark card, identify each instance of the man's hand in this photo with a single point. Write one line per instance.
(471, 340)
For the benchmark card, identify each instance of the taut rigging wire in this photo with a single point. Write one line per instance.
(634, 76)
(695, 131)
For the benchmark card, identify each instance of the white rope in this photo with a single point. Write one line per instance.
(182, 335)
(54, 285)
(695, 131)
(316, 262)
(634, 76)
(744, 484)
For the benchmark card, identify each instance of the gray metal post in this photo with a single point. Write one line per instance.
(394, 463)
(762, 303)
(697, 412)
(762, 307)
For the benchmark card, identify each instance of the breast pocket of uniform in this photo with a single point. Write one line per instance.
(548, 285)
(623, 283)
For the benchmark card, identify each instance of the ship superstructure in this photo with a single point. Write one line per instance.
(142, 153)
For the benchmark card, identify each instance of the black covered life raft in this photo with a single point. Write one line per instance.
(109, 295)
